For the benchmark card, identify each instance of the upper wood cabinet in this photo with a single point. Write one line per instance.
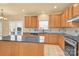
(51, 21)
(75, 9)
(70, 12)
(57, 20)
(34, 22)
(66, 15)
(63, 22)
(26, 22)
(54, 21)
(31, 21)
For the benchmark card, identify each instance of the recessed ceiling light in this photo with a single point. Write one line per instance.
(55, 7)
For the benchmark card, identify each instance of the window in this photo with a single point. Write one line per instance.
(43, 21)
(43, 24)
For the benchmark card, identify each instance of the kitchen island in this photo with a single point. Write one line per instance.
(25, 48)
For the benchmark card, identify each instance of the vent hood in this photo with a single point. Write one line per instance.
(74, 19)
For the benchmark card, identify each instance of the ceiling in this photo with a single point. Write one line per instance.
(19, 9)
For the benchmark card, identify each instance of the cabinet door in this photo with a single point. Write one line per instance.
(67, 17)
(26, 21)
(40, 49)
(61, 41)
(75, 9)
(30, 49)
(63, 23)
(70, 12)
(30, 21)
(53, 39)
(57, 20)
(5, 48)
(46, 38)
(15, 49)
(26, 49)
(51, 21)
(34, 21)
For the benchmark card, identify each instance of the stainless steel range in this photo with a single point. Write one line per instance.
(71, 47)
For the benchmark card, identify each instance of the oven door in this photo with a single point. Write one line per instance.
(70, 47)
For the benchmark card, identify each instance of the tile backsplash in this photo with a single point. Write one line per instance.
(71, 31)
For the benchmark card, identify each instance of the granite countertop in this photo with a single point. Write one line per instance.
(29, 39)
(43, 32)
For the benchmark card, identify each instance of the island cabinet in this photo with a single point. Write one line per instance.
(31, 21)
(21, 49)
(15, 49)
(31, 49)
(5, 48)
(54, 21)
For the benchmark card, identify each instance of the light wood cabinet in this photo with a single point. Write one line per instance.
(31, 49)
(75, 9)
(46, 38)
(57, 21)
(53, 39)
(70, 12)
(14, 48)
(66, 15)
(5, 49)
(63, 22)
(21, 49)
(61, 41)
(26, 21)
(51, 21)
(34, 22)
(54, 21)
(31, 21)
(27, 49)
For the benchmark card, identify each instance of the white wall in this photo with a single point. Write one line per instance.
(5, 28)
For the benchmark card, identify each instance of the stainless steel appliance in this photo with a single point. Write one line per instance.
(71, 47)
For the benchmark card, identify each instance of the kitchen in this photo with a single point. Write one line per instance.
(39, 29)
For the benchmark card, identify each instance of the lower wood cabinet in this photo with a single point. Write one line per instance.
(61, 41)
(21, 49)
(30, 49)
(5, 48)
(15, 49)
(55, 39)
